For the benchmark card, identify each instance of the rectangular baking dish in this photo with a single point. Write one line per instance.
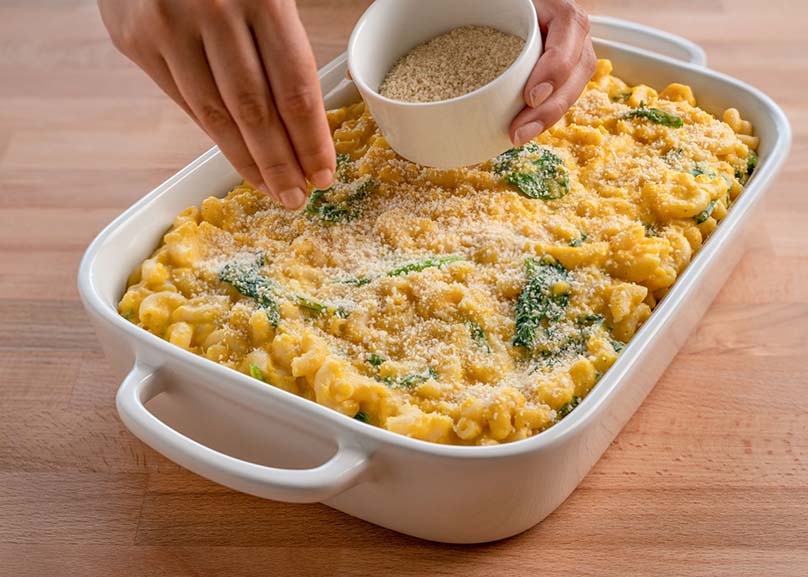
(264, 441)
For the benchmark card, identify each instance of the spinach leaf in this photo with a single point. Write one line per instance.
(540, 301)
(340, 203)
(567, 409)
(698, 170)
(743, 176)
(478, 336)
(655, 115)
(536, 172)
(361, 281)
(431, 262)
(751, 163)
(409, 381)
(579, 241)
(264, 291)
(705, 214)
(256, 372)
(246, 280)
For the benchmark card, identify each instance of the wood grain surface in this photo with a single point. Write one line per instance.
(709, 478)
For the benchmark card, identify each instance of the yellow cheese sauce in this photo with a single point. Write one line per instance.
(467, 306)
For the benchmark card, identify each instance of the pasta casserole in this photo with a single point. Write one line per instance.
(476, 305)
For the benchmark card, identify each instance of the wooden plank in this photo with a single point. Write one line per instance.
(61, 508)
(397, 558)
(45, 325)
(62, 439)
(39, 275)
(36, 378)
(52, 229)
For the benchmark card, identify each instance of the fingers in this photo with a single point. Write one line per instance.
(157, 69)
(561, 73)
(292, 71)
(186, 61)
(530, 122)
(204, 56)
(567, 36)
(240, 77)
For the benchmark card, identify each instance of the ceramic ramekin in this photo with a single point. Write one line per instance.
(461, 131)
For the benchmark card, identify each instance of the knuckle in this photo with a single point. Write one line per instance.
(562, 107)
(590, 60)
(279, 171)
(244, 165)
(221, 6)
(158, 13)
(158, 17)
(563, 64)
(580, 18)
(321, 156)
(278, 8)
(554, 111)
(249, 171)
(122, 39)
(129, 43)
(160, 9)
(302, 102)
(145, 22)
(214, 116)
(251, 109)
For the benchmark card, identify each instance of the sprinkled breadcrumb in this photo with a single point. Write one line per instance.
(467, 306)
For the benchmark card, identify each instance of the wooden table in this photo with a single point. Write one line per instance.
(709, 478)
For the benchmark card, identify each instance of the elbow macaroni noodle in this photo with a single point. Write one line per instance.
(455, 306)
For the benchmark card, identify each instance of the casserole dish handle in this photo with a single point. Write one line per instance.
(647, 38)
(344, 470)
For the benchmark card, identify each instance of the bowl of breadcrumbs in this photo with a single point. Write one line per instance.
(444, 79)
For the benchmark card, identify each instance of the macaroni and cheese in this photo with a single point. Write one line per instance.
(470, 306)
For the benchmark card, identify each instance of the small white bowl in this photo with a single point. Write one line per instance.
(461, 131)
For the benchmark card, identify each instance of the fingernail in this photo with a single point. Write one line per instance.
(293, 198)
(322, 178)
(527, 132)
(540, 93)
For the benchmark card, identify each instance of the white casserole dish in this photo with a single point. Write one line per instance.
(261, 440)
